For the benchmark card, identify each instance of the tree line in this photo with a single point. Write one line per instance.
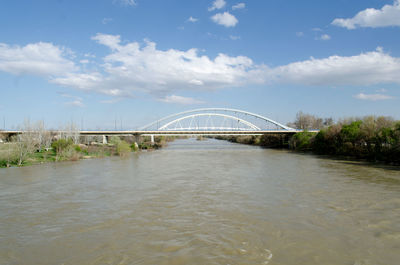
(372, 138)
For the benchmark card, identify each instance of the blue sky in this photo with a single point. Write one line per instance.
(95, 62)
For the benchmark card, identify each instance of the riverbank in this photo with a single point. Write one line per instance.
(350, 141)
(20, 154)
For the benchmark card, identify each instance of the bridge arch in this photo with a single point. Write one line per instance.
(211, 126)
(246, 120)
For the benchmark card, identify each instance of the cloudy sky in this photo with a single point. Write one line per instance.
(128, 62)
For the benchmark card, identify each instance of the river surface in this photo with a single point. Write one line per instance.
(201, 202)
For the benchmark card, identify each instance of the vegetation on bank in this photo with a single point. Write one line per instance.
(374, 139)
(37, 145)
(371, 138)
(67, 150)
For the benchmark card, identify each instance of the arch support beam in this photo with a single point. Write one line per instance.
(209, 111)
(252, 126)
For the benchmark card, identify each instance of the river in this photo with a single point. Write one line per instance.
(201, 202)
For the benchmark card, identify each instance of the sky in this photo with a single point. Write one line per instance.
(106, 64)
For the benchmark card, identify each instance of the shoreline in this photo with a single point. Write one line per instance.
(65, 150)
(285, 145)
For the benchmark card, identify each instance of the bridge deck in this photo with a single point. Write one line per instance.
(186, 132)
(171, 133)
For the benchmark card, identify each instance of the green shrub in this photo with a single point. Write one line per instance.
(69, 153)
(65, 149)
(302, 141)
(123, 148)
(61, 144)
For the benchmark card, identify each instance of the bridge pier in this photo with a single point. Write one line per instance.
(152, 139)
(136, 140)
(105, 139)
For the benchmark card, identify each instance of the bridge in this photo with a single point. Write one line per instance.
(203, 121)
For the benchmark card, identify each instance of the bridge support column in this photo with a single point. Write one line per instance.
(104, 139)
(152, 139)
(136, 140)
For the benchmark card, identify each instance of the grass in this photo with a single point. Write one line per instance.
(8, 154)
(64, 150)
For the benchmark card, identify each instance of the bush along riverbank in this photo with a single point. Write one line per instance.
(23, 151)
(373, 139)
(361, 139)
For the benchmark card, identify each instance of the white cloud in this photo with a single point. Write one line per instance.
(111, 41)
(232, 37)
(131, 68)
(89, 55)
(388, 15)
(42, 58)
(217, 4)
(85, 61)
(239, 6)
(125, 2)
(192, 19)
(372, 97)
(180, 100)
(324, 37)
(75, 103)
(364, 69)
(299, 34)
(106, 20)
(225, 19)
(80, 81)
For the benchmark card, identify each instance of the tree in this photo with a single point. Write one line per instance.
(43, 136)
(310, 122)
(302, 141)
(25, 142)
(351, 133)
(70, 131)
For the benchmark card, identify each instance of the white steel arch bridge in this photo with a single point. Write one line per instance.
(203, 121)
(216, 120)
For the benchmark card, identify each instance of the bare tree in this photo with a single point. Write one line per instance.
(43, 136)
(384, 122)
(328, 122)
(70, 131)
(306, 121)
(25, 142)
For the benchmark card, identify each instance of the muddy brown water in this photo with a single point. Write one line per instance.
(201, 202)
